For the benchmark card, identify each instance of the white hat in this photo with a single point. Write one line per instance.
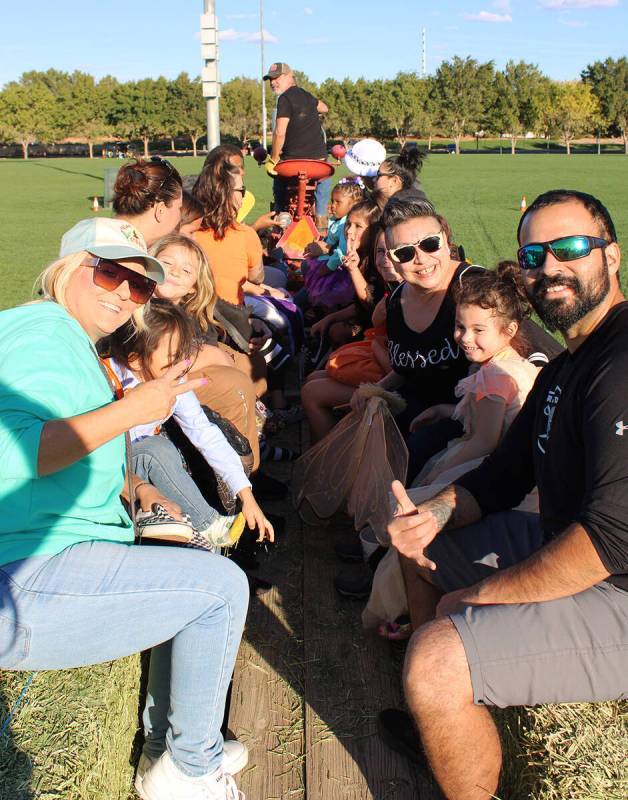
(365, 157)
(110, 238)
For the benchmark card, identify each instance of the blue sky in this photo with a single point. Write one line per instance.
(323, 38)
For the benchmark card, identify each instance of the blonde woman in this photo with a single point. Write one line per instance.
(69, 570)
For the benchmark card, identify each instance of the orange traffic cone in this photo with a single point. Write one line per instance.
(95, 204)
(523, 204)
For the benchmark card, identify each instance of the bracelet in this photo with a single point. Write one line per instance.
(141, 483)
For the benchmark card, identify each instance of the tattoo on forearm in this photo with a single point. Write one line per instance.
(454, 507)
(441, 510)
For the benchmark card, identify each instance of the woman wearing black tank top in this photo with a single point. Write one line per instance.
(426, 362)
(420, 317)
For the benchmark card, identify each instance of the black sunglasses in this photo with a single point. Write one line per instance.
(109, 275)
(161, 162)
(567, 248)
(242, 190)
(406, 252)
(384, 175)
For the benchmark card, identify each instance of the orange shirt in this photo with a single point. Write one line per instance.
(231, 259)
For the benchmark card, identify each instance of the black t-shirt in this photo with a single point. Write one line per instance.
(304, 135)
(571, 440)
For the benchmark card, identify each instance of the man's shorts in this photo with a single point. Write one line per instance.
(570, 650)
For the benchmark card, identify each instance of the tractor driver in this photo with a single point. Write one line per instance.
(297, 133)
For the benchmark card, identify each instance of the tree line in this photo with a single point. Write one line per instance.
(463, 97)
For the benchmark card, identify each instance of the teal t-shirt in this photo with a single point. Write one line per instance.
(48, 370)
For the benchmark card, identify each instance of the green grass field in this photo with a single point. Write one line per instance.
(480, 195)
(72, 738)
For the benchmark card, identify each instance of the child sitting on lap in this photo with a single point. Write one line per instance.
(170, 336)
(490, 307)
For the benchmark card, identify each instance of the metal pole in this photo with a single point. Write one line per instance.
(261, 42)
(213, 109)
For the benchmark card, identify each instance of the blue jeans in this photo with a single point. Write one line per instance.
(98, 601)
(156, 460)
(323, 192)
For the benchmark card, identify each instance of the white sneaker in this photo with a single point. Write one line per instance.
(164, 781)
(235, 757)
(224, 531)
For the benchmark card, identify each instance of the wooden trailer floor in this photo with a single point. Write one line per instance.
(309, 680)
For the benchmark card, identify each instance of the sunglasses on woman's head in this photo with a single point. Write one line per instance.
(158, 161)
(109, 275)
(406, 252)
(567, 248)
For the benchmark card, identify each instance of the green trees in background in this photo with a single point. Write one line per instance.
(139, 109)
(464, 97)
(27, 113)
(400, 107)
(576, 111)
(609, 83)
(462, 90)
(518, 93)
(241, 108)
(185, 112)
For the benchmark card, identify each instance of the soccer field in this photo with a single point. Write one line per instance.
(479, 194)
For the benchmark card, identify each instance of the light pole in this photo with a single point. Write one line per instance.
(261, 44)
(211, 84)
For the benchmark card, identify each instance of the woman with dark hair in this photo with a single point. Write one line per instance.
(148, 194)
(398, 176)
(420, 317)
(221, 153)
(234, 252)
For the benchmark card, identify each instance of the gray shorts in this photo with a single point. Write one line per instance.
(570, 650)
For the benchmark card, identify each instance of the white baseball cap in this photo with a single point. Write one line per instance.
(364, 157)
(110, 238)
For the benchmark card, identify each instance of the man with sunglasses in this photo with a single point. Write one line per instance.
(532, 609)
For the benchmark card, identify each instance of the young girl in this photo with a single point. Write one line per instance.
(356, 362)
(398, 176)
(170, 337)
(367, 361)
(490, 307)
(330, 250)
(348, 322)
(231, 390)
(235, 380)
(327, 286)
